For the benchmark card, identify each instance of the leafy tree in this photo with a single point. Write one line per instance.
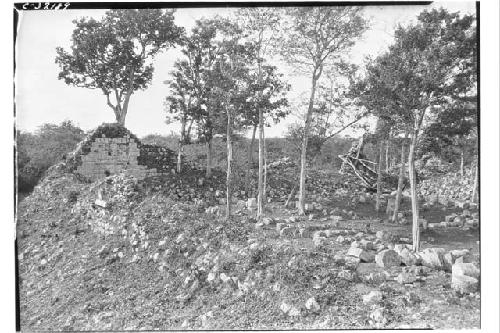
(336, 110)
(115, 53)
(231, 88)
(315, 38)
(260, 25)
(452, 134)
(39, 151)
(423, 69)
(180, 104)
(267, 97)
(197, 72)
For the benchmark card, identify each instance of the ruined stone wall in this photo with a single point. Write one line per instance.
(111, 149)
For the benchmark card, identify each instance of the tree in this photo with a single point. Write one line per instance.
(453, 133)
(38, 151)
(115, 54)
(231, 71)
(422, 70)
(200, 52)
(261, 25)
(267, 96)
(381, 132)
(336, 110)
(180, 105)
(315, 38)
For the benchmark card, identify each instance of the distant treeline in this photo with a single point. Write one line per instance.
(39, 150)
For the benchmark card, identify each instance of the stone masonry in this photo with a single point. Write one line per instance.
(109, 156)
(111, 149)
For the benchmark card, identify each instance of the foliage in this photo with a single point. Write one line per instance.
(38, 151)
(423, 68)
(115, 54)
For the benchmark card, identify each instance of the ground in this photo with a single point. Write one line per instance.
(148, 262)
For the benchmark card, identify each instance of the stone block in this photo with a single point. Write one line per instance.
(387, 258)
(433, 257)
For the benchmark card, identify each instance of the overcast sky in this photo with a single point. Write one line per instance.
(42, 98)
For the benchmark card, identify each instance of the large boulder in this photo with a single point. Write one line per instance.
(387, 258)
(464, 284)
(433, 257)
(252, 203)
(467, 269)
(451, 258)
(363, 255)
(410, 258)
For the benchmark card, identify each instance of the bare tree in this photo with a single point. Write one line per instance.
(315, 38)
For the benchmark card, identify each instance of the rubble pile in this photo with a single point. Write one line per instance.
(391, 253)
(76, 238)
(447, 189)
(124, 253)
(283, 175)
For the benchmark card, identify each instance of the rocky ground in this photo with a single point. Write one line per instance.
(120, 254)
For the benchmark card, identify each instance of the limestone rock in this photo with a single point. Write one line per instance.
(288, 232)
(267, 221)
(312, 305)
(319, 241)
(378, 316)
(382, 235)
(464, 284)
(387, 258)
(251, 203)
(363, 255)
(285, 307)
(410, 258)
(366, 244)
(433, 257)
(352, 262)
(373, 296)
(405, 278)
(339, 259)
(466, 269)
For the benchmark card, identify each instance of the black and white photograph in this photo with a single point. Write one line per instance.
(251, 166)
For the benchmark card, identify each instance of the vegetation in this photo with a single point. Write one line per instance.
(115, 54)
(38, 151)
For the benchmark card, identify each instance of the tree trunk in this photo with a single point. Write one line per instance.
(260, 194)
(291, 195)
(400, 183)
(120, 116)
(264, 186)
(387, 150)
(379, 176)
(414, 198)
(126, 101)
(181, 145)
(462, 162)
(229, 188)
(209, 157)
(303, 156)
(475, 196)
(249, 162)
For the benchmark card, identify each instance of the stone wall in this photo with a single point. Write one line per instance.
(111, 149)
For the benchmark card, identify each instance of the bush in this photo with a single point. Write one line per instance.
(38, 151)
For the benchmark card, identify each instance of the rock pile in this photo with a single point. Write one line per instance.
(447, 189)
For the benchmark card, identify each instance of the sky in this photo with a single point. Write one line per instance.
(41, 98)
